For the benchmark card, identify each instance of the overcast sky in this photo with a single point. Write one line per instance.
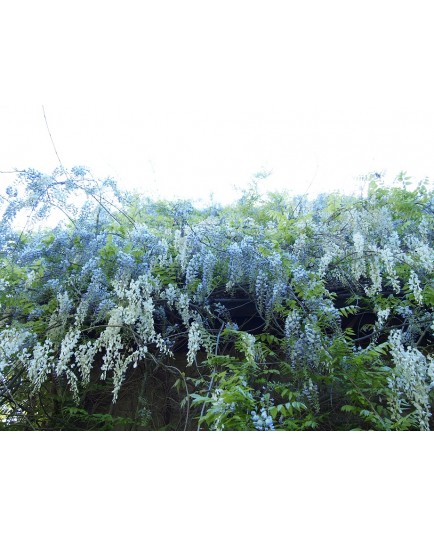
(186, 98)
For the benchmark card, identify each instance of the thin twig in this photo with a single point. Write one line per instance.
(53, 144)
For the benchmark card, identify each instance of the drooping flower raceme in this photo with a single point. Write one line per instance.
(247, 344)
(414, 285)
(194, 342)
(13, 343)
(411, 381)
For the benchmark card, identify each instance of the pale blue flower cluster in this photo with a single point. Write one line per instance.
(262, 421)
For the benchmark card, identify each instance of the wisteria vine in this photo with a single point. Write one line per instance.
(341, 289)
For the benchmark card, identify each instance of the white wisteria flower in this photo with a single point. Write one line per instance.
(414, 285)
(194, 342)
(411, 381)
(13, 343)
(248, 343)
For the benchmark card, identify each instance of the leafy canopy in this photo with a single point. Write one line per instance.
(274, 313)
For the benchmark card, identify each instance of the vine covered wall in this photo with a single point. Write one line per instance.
(276, 313)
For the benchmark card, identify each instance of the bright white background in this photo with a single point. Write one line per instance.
(187, 98)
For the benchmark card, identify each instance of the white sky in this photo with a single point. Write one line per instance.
(186, 98)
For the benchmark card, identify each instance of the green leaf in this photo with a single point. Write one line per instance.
(350, 409)
(311, 424)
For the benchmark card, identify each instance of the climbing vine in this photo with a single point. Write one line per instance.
(276, 313)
